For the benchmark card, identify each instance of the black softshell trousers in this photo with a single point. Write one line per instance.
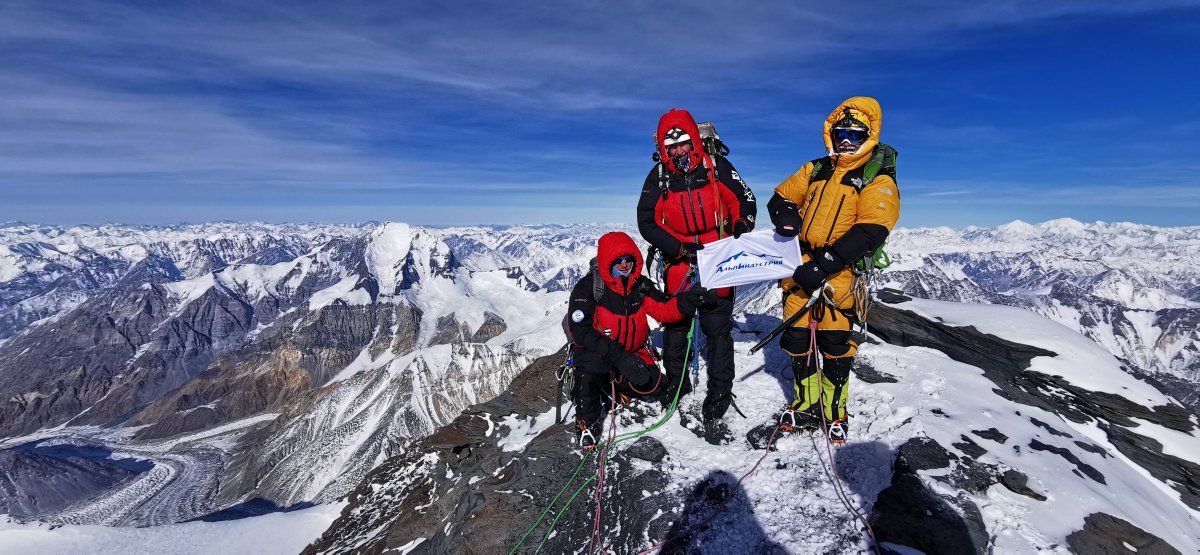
(716, 323)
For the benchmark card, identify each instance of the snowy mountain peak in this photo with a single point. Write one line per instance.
(387, 248)
(1016, 227)
(1063, 226)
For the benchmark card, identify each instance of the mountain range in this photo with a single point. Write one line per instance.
(219, 371)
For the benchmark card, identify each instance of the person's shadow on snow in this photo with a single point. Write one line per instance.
(901, 510)
(718, 517)
(865, 467)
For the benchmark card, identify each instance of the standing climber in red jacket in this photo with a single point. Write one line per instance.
(690, 198)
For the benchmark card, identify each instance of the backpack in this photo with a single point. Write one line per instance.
(711, 140)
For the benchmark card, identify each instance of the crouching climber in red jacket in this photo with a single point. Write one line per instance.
(606, 321)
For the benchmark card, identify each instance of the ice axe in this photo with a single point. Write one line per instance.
(565, 372)
(788, 323)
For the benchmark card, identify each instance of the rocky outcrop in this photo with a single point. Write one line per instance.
(225, 392)
(1104, 534)
(907, 513)
(493, 325)
(405, 500)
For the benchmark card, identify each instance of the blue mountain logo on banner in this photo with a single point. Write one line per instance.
(744, 260)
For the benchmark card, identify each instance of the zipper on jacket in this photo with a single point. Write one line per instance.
(625, 305)
(687, 223)
(699, 223)
(815, 209)
(835, 217)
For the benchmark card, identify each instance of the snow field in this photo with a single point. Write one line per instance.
(276, 533)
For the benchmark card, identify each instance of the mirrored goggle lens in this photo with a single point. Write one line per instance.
(627, 259)
(852, 135)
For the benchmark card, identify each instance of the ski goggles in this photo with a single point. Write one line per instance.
(854, 136)
(627, 259)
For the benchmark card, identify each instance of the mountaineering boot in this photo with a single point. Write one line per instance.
(588, 434)
(796, 420)
(837, 432)
(667, 395)
(716, 403)
(716, 432)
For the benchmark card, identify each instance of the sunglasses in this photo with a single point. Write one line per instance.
(853, 135)
(627, 259)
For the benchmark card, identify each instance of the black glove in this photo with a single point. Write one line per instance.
(829, 260)
(810, 276)
(687, 251)
(639, 372)
(785, 215)
(737, 228)
(788, 228)
(692, 299)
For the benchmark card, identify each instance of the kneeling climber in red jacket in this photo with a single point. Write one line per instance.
(606, 321)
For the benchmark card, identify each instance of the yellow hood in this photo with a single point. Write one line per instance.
(863, 108)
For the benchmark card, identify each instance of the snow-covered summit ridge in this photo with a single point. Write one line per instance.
(1122, 284)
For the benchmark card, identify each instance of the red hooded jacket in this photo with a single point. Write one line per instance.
(616, 321)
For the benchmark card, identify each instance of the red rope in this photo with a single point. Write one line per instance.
(838, 485)
(612, 432)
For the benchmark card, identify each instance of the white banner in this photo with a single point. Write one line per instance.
(751, 258)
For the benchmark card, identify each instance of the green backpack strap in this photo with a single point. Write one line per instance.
(821, 171)
(883, 161)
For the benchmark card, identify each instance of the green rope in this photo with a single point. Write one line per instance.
(570, 501)
(620, 438)
(542, 516)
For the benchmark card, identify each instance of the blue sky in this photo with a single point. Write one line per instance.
(472, 113)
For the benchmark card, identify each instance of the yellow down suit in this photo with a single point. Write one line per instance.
(841, 218)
